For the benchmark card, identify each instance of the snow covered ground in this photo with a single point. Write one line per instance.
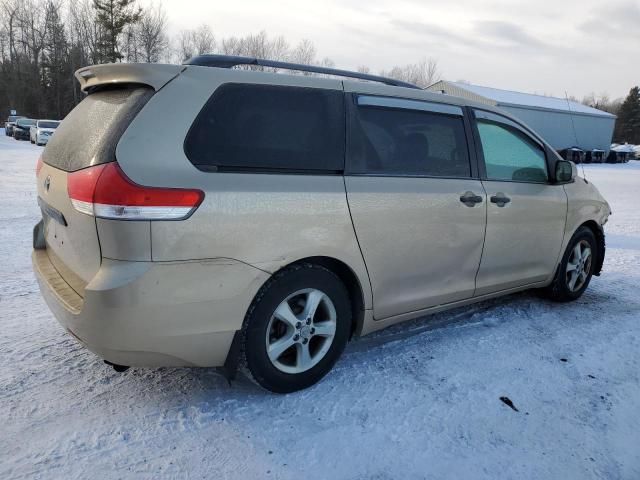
(420, 400)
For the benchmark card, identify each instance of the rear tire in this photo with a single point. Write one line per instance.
(296, 328)
(576, 268)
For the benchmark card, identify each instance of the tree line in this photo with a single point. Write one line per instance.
(43, 42)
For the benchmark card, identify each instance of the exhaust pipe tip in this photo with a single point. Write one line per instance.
(116, 367)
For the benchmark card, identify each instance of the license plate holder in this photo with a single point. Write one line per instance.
(51, 212)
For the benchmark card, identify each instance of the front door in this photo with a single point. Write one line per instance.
(525, 213)
(418, 212)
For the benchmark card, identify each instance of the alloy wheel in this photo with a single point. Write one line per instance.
(579, 266)
(301, 331)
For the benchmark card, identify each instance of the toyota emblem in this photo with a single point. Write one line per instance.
(47, 182)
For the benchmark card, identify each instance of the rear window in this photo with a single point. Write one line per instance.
(89, 134)
(47, 124)
(269, 128)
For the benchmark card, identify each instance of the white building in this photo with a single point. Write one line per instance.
(561, 122)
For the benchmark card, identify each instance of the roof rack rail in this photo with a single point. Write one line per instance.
(229, 61)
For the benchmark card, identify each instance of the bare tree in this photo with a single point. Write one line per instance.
(31, 21)
(603, 102)
(129, 43)
(261, 46)
(304, 52)
(152, 34)
(327, 62)
(279, 48)
(84, 32)
(231, 46)
(185, 45)
(423, 73)
(204, 40)
(256, 45)
(10, 11)
(196, 42)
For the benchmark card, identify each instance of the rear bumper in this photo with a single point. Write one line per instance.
(154, 314)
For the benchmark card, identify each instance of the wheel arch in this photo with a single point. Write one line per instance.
(598, 232)
(351, 282)
(344, 272)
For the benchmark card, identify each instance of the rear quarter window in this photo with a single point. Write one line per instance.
(90, 133)
(269, 128)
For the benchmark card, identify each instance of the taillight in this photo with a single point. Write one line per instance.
(105, 191)
(38, 166)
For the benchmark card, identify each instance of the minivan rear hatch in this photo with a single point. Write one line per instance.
(87, 137)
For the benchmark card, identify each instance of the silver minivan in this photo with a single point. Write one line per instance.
(206, 215)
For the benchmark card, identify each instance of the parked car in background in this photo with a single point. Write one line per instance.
(595, 156)
(574, 154)
(22, 128)
(32, 132)
(624, 152)
(290, 213)
(42, 131)
(10, 123)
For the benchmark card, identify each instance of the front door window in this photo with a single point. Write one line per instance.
(511, 155)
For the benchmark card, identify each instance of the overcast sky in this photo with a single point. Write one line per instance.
(543, 46)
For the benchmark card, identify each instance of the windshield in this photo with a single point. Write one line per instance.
(48, 124)
(26, 122)
(13, 118)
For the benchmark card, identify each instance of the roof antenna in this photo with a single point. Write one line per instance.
(573, 126)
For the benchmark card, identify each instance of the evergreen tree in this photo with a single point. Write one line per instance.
(112, 16)
(57, 75)
(628, 122)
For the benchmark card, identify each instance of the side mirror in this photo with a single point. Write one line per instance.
(565, 171)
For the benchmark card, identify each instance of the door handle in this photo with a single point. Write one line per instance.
(500, 199)
(470, 199)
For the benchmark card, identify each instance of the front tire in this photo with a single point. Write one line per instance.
(296, 328)
(576, 267)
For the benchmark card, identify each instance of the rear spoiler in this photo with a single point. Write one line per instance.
(154, 75)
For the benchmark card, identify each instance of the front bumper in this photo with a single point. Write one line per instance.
(21, 134)
(154, 314)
